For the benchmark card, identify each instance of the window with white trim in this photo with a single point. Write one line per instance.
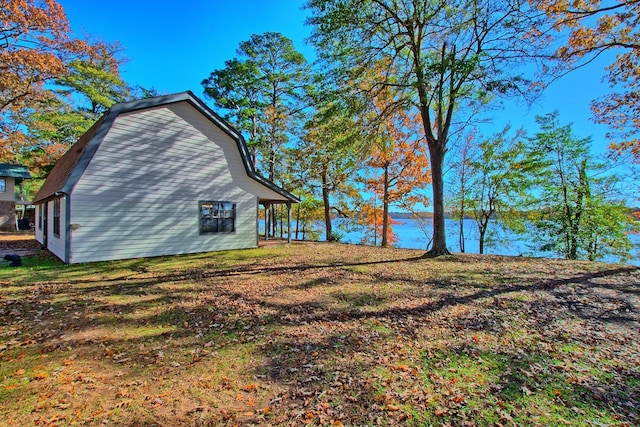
(56, 217)
(217, 217)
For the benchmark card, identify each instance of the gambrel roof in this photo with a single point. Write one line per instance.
(70, 167)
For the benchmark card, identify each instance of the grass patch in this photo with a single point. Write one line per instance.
(316, 334)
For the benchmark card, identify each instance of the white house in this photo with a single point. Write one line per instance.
(160, 176)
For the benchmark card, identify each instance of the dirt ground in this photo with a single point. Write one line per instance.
(20, 243)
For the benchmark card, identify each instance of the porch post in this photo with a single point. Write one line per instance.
(288, 222)
(266, 221)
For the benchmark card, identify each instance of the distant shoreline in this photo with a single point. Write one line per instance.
(447, 215)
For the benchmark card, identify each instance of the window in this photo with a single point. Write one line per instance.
(217, 217)
(40, 208)
(3, 185)
(56, 217)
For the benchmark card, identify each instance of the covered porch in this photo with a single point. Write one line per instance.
(277, 227)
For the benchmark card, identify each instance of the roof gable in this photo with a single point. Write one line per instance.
(72, 165)
(65, 165)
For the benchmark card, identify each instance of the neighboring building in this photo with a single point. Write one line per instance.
(10, 178)
(160, 176)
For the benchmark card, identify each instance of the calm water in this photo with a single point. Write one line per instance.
(411, 236)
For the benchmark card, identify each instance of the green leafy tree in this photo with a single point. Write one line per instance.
(238, 90)
(458, 184)
(307, 213)
(93, 82)
(500, 179)
(576, 216)
(263, 92)
(444, 55)
(328, 156)
(91, 85)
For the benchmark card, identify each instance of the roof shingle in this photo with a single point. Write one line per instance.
(63, 167)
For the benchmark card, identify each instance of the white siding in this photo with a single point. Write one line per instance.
(56, 244)
(139, 195)
(38, 230)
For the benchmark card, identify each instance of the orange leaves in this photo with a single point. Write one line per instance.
(412, 371)
(40, 375)
(593, 29)
(441, 411)
(123, 392)
(249, 388)
(267, 410)
(24, 68)
(458, 399)
(397, 164)
(36, 49)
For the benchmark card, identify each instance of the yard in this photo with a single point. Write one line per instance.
(320, 334)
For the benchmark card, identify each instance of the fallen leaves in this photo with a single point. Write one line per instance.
(251, 387)
(40, 375)
(324, 335)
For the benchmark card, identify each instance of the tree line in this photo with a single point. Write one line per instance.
(388, 113)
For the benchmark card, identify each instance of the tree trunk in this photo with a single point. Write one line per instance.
(437, 182)
(327, 206)
(463, 196)
(385, 209)
(297, 219)
(273, 221)
(437, 148)
(482, 231)
(461, 235)
(272, 178)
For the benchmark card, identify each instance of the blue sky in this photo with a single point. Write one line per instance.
(172, 46)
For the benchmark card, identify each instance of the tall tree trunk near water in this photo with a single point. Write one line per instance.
(327, 206)
(439, 243)
(297, 219)
(385, 209)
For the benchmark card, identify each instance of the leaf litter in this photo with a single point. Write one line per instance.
(322, 334)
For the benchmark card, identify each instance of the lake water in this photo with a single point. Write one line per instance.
(411, 236)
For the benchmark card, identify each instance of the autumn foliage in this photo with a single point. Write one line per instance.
(372, 217)
(595, 27)
(397, 167)
(32, 40)
(45, 76)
